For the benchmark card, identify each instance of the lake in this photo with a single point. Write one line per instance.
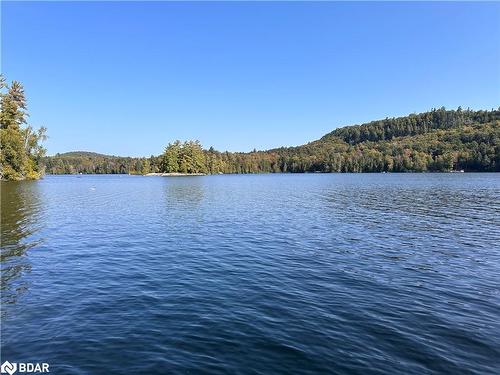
(253, 274)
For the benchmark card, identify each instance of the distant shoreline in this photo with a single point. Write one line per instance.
(174, 174)
(439, 140)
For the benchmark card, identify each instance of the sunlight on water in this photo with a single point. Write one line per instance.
(253, 273)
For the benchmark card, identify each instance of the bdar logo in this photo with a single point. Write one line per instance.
(8, 367)
(23, 368)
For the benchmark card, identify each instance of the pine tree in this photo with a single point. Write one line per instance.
(20, 148)
(170, 159)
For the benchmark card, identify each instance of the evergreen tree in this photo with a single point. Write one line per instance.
(170, 160)
(20, 145)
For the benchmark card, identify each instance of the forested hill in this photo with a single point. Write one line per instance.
(414, 124)
(438, 140)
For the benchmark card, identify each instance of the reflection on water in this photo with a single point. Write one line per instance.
(20, 220)
(184, 192)
(183, 201)
(344, 274)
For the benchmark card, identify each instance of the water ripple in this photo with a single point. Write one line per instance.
(344, 274)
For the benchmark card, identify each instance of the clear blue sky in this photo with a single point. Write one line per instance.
(126, 78)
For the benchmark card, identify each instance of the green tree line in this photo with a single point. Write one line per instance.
(436, 141)
(80, 162)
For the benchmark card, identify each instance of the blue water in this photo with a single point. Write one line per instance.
(253, 274)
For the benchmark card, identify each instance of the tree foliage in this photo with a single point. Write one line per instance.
(20, 145)
(93, 163)
(187, 157)
(435, 141)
